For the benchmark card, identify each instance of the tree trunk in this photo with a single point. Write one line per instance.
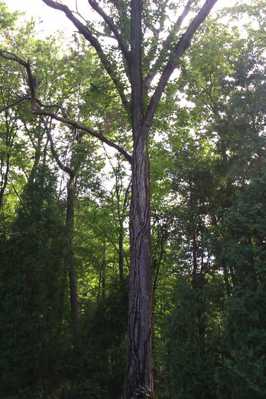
(140, 378)
(5, 159)
(4, 182)
(69, 262)
(121, 254)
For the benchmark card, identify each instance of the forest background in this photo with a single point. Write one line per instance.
(65, 205)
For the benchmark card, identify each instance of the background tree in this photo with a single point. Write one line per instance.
(32, 293)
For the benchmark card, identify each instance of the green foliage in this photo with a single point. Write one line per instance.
(208, 214)
(194, 338)
(33, 289)
(243, 372)
(107, 341)
(7, 18)
(216, 223)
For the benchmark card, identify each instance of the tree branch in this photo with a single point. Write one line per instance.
(25, 64)
(166, 45)
(88, 130)
(37, 108)
(86, 32)
(55, 155)
(175, 55)
(14, 103)
(109, 22)
(136, 64)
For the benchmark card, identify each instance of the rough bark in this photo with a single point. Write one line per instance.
(140, 378)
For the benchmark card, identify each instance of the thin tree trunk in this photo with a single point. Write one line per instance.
(69, 258)
(121, 254)
(5, 160)
(102, 277)
(4, 182)
(121, 217)
(69, 262)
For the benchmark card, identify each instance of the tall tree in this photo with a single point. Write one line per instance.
(139, 379)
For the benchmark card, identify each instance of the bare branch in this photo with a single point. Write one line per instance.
(25, 64)
(28, 131)
(55, 155)
(166, 44)
(86, 32)
(123, 46)
(12, 57)
(86, 129)
(175, 55)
